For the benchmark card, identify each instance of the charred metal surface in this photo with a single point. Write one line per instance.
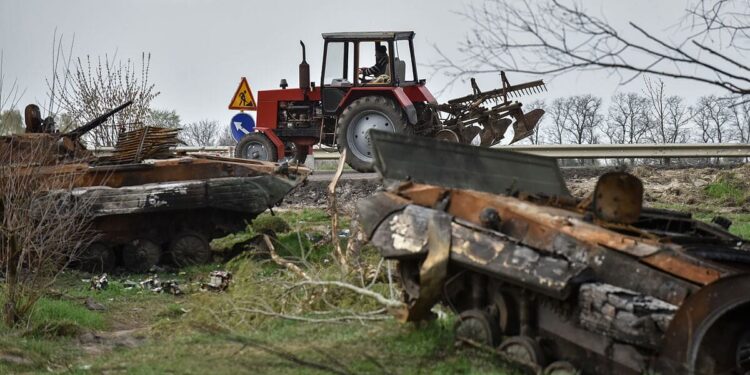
(376, 209)
(433, 271)
(148, 204)
(602, 283)
(461, 166)
(402, 236)
(618, 198)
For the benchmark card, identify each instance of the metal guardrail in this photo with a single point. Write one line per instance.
(599, 151)
(608, 151)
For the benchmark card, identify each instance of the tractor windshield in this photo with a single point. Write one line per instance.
(403, 64)
(338, 55)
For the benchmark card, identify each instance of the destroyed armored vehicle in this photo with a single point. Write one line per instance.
(150, 205)
(599, 285)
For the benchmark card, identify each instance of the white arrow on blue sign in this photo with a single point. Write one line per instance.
(242, 124)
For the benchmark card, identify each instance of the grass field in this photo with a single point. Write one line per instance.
(142, 332)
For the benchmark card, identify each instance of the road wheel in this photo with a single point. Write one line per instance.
(256, 146)
(476, 326)
(97, 258)
(561, 368)
(361, 116)
(190, 248)
(140, 255)
(524, 350)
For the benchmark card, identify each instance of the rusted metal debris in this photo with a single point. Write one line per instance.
(157, 286)
(602, 283)
(99, 282)
(150, 206)
(148, 142)
(218, 281)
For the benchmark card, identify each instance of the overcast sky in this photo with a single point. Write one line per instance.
(200, 49)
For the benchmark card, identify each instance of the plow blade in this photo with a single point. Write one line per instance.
(525, 124)
(428, 161)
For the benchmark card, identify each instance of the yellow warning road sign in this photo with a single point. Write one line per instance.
(243, 97)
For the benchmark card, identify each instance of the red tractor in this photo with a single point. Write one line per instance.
(389, 96)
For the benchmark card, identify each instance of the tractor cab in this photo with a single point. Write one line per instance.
(365, 60)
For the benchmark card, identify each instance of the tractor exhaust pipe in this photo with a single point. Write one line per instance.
(304, 71)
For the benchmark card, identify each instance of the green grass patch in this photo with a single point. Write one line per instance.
(740, 221)
(24, 354)
(725, 191)
(730, 188)
(57, 317)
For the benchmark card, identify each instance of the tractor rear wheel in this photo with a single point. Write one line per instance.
(256, 146)
(361, 116)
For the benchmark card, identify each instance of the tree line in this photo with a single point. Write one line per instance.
(651, 116)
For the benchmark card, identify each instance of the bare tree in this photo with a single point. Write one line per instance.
(201, 133)
(627, 119)
(10, 118)
(556, 36)
(164, 118)
(739, 117)
(9, 96)
(225, 137)
(584, 120)
(10, 122)
(712, 116)
(96, 86)
(668, 116)
(558, 113)
(42, 224)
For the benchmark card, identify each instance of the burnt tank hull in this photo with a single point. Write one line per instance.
(141, 207)
(553, 282)
(149, 211)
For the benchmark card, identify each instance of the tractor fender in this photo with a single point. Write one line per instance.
(396, 92)
(274, 139)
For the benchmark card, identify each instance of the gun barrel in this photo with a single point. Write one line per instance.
(97, 121)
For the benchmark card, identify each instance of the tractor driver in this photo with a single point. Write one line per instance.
(380, 68)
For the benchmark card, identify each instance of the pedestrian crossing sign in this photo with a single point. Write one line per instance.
(243, 97)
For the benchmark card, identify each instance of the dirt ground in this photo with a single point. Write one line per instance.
(663, 186)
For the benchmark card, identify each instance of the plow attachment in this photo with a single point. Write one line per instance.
(472, 115)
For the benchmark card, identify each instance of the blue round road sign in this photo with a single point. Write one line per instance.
(242, 124)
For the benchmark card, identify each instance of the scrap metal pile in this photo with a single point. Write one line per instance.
(148, 142)
(600, 285)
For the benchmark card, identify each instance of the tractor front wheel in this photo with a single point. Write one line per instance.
(256, 146)
(356, 121)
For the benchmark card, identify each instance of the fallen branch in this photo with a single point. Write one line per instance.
(332, 206)
(336, 319)
(281, 261)
(390, 303)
